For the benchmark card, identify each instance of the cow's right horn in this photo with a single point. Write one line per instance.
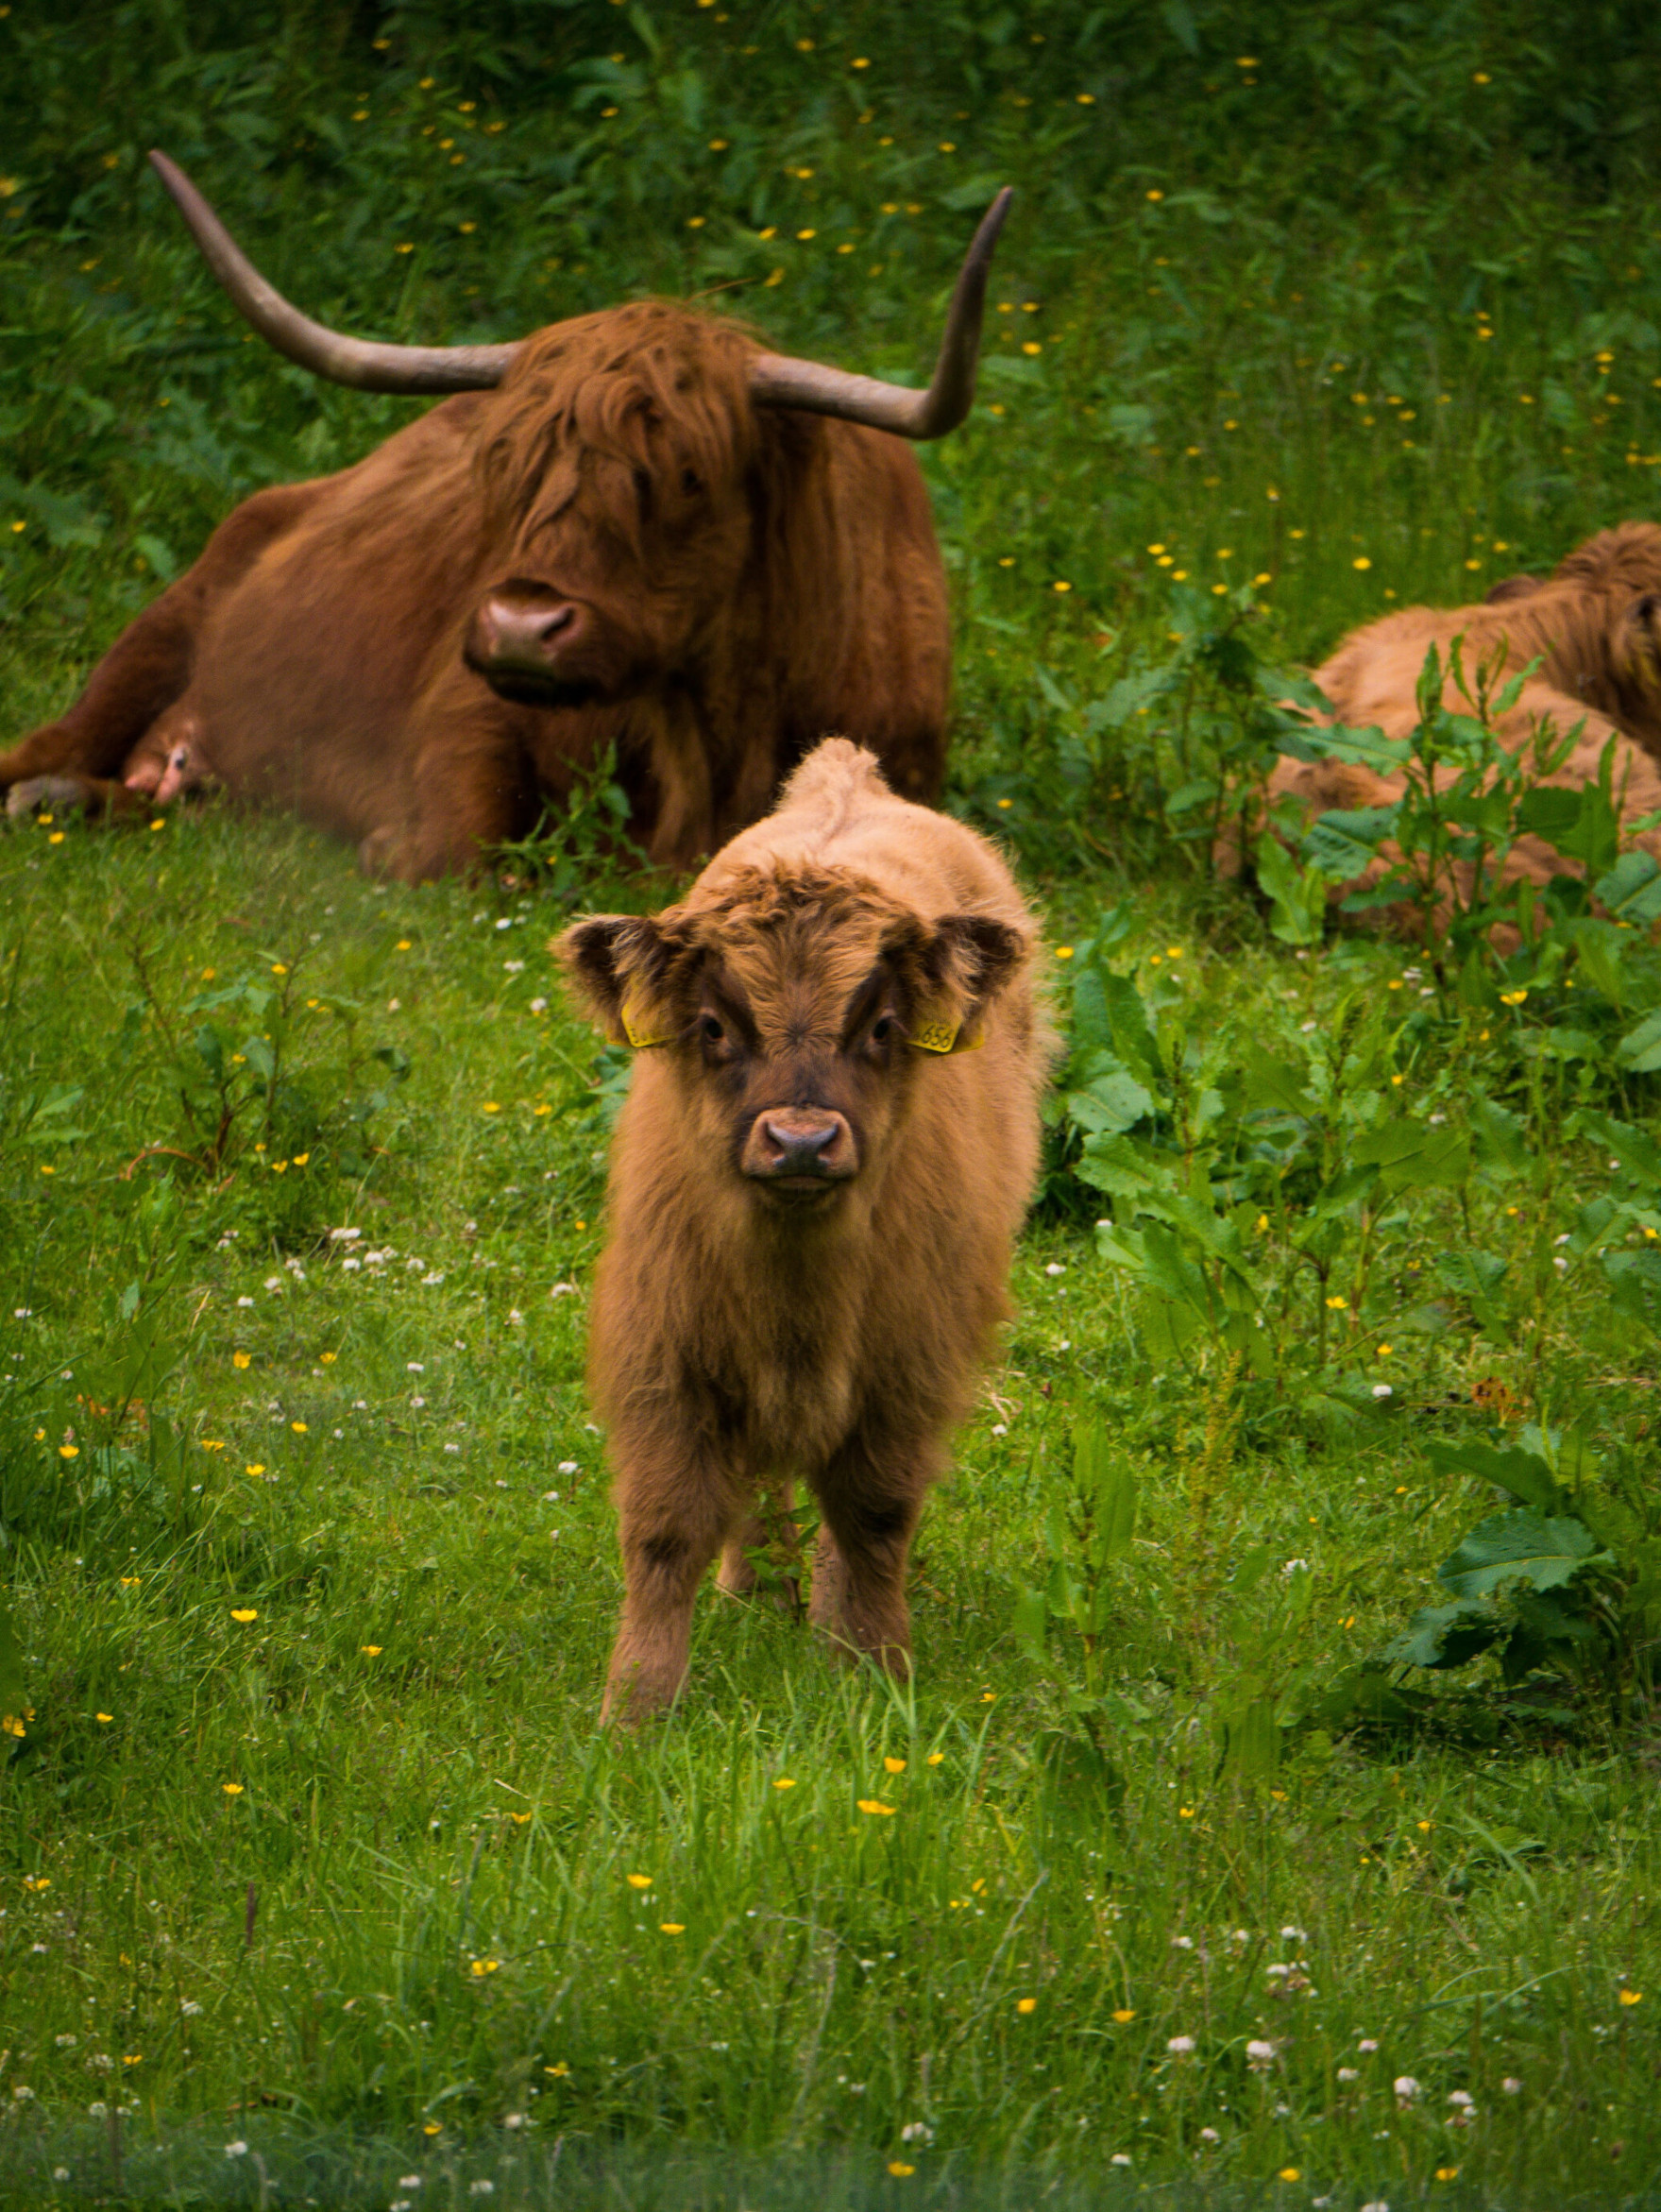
(776, 381)
(359, 362)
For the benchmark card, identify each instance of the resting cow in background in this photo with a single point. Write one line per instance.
(635, 527)
(1594, 626)
(819, 1170)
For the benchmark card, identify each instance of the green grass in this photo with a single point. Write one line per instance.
(395, 1882)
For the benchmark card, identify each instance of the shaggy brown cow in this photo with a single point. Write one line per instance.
(645, 530)
(1595, 626)
(814, 1187)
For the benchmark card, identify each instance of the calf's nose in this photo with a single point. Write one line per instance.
(793, 1142)
(800, 1148)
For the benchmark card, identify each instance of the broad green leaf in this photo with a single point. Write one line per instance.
(11, 1675)
(1125, 1169)
(1109, 1103)
(1578, 821)
(1412, 1155)
(1446, 1636)
(1344, 842)
(1502, 1137)
(1277, 1084)
(1104, 1478)
(260, 1057)
(1632, 889)
(1524, 1474)
(1128, 1021)
(1639, 1050)
(1170, 1269)
(1633, 1147)
(1543, 1551)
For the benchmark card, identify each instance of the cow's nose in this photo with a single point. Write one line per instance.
(529, 635)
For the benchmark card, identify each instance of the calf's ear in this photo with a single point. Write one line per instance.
(969, 960)
(613, 963)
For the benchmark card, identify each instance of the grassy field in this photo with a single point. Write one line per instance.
(1163, 1883)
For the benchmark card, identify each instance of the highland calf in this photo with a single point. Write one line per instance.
(1594, 626)
(826, 1152)
(636, 529)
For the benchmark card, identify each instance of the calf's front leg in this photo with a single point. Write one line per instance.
(675, 1517)
(871, 1499)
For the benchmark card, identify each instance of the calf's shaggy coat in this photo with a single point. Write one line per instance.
(1595, 628)
(826, 1151)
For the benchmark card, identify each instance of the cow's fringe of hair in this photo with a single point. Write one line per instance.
(659, 387)
(1589, 625)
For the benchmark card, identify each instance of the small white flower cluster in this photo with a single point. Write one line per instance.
(1260, 2056)
(917, 2130)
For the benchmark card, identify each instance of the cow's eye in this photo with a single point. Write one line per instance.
(691, 483)
(882, 1029)
(710, 1030)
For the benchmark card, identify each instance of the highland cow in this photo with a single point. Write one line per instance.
(1595, 628)
(636, 529)
(825, 1154)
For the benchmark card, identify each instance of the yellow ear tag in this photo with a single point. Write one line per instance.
(935, 1036)
(637, 1032)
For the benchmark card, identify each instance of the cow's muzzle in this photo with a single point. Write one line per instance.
(801, 1153)
(532, 645)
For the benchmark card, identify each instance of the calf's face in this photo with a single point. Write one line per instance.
(797, 1028)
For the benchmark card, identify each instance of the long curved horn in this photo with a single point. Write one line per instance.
(359, 362)
(776, 381)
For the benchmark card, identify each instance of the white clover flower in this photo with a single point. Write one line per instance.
(917, 2130)
(1382, 1390)
(513, 2119)
(1462, 2097)
(237, 2150)
(539, 1006)
(97, 2109)
(1406, 2090)
(1367, 2043)
(1120, 2158)
(1510, 2085)
(483, 2188)
(1259, 2055)
(1210, 2135)
(1179, 2046)
(1349, 2073)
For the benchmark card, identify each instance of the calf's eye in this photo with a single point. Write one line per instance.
(882, 1029)
(710, 1030)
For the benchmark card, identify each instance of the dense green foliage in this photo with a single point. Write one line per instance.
(1283, 1724)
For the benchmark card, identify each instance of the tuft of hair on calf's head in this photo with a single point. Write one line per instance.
(769, 921)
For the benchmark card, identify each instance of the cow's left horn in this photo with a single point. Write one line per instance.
(360, 362)
(775, 381)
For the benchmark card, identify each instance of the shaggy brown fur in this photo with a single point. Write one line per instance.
(1595, 626)
(811, 1215)
(616, 545)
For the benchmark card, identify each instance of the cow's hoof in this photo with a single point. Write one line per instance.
(41, 790)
